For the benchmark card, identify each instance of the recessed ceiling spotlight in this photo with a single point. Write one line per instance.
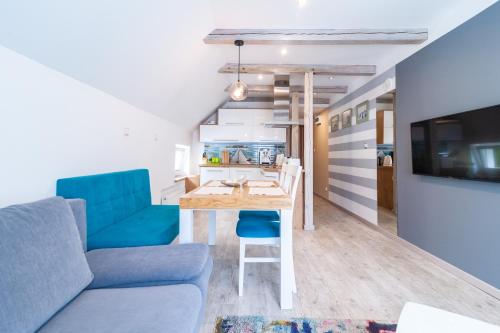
(260, 76)
(331, 77)
(284, 51)
(302, 3)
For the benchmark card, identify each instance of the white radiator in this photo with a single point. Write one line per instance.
(171, 194)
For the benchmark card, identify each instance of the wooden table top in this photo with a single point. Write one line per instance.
(239, 199)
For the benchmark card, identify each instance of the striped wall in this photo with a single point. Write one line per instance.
(352, 152)
(352, 166)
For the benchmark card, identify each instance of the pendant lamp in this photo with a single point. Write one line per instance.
(238, 90)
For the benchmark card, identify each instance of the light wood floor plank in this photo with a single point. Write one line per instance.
(344, 269)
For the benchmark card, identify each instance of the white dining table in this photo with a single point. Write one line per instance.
(241, 199)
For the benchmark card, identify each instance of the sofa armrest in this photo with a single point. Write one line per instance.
(150, 265)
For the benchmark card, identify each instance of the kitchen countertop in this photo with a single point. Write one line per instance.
(268, 168)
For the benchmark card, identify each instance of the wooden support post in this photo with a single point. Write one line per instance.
(308, 150)
(295, 142)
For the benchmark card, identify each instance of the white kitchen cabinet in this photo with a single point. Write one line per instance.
(244, 117)
(388, 127)
(248, 173)
(261, 116)
(269, 175)
(226, 173)
(231, 133)
(269, 134)
(213, 173)
(221, 133)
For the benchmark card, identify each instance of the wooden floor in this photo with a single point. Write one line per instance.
(387, 220)
(344, 269)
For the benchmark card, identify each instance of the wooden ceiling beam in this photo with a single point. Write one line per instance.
(318, 36)
(321, 89)
(262, 88)
(270, 100)
(339, 70)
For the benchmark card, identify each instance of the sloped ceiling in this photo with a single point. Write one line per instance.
(151, 53)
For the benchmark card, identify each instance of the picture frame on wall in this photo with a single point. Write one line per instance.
(347, 118)
(362, 112)
(334, 123)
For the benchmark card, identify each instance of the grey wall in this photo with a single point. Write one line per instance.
(456, 220)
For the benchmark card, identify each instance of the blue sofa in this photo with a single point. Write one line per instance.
(119, 210)
(49, 283)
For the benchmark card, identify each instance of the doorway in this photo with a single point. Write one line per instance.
(386, 169)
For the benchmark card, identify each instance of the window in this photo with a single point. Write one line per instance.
(181, 160)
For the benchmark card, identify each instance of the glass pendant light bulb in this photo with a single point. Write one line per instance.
(238, 91)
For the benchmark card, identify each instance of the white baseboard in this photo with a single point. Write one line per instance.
(469, 278)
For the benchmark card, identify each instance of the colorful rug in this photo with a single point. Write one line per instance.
(258, 324)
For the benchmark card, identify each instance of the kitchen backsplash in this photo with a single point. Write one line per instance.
(388, 149)
(251, 150)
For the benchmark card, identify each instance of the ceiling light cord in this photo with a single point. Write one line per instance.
(239, 60)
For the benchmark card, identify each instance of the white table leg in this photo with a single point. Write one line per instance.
(212, 226)
(286, 249)
(186, 226)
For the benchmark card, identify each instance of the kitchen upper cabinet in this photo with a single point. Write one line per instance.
(223, 133)
(269, 134)
(230, 133)
(244, 117)
(385, 127)
(242, 125)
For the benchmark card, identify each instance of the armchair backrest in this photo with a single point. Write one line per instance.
(110, 197)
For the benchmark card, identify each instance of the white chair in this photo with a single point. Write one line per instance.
(261, 230)
(271, 214)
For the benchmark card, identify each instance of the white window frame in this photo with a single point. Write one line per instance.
(182, 167)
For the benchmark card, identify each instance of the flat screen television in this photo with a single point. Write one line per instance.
(464, 145)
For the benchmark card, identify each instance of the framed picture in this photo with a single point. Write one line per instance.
(334, 123)
(347, 118)
(362, 112)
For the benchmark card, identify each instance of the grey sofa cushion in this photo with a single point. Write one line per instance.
(43, 266)
(161, 309)
(129, 267)
(78, 207)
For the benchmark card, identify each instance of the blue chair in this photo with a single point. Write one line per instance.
(258, 229)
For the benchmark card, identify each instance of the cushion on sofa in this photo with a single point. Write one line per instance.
(78, 208)
(110, 197)
(43, 266)
(114, 268)
(154, 225)
(147, 310)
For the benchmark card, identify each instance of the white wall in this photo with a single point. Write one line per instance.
(52, 126)
(197, 149)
